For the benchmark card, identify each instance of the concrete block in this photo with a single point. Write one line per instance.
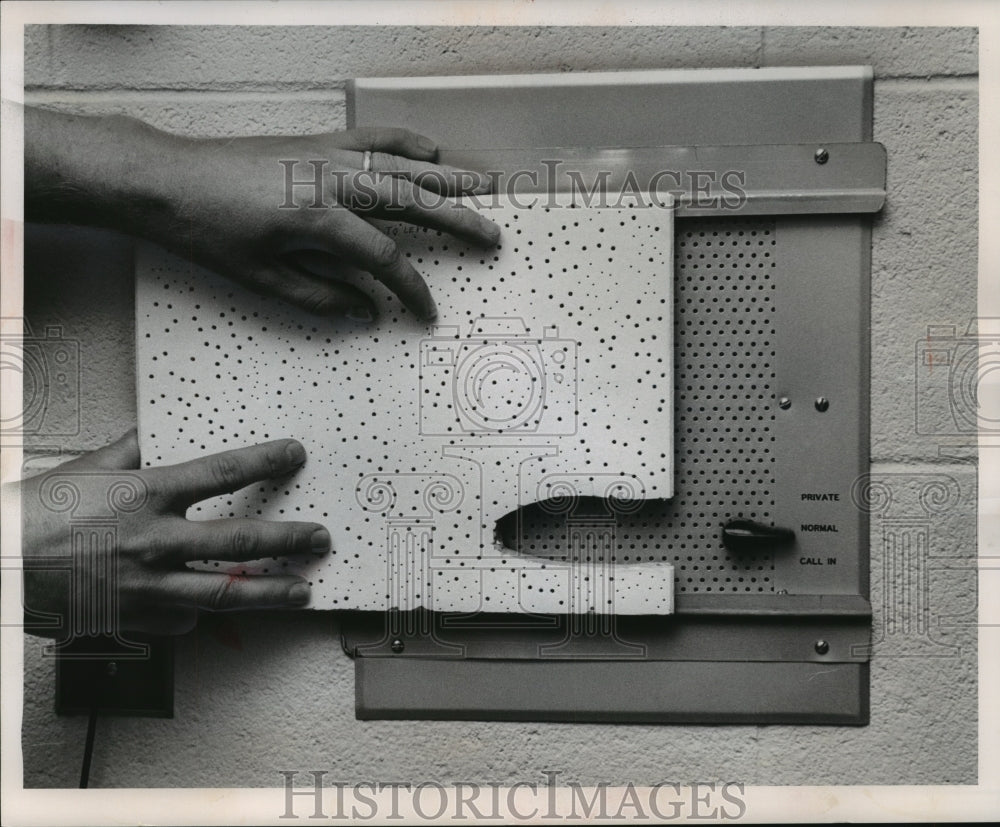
(311, 57)
(208, 115)
(79, 290)
(262, 692)
(924, 703)
(80, 282)
(37, 51)
(924, 602)
(52, 746)
(892, 52)
(924, 242)
(924, 254)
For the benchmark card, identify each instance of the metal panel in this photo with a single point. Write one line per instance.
(720, 659)
(683, 107)
(741, 180)
(650, 691)
(821, 346)
(744, 637)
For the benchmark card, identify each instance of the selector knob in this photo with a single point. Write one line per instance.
(743, 536)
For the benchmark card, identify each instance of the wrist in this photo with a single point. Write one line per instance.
(137, 193)
(109, 171)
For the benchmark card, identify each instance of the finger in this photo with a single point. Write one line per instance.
(362, 245)
(398, 199)
(227, 592)
(312, 292)
(199, 479)
(121, 455)
(387, 139)
(240, 540)
(438, 178)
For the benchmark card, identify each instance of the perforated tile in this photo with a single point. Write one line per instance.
(548, 375)
(723, 422)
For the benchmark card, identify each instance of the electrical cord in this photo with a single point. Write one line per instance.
(100, 681)
(88, 747)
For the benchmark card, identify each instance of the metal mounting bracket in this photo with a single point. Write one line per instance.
(744, 180)
(793, 145)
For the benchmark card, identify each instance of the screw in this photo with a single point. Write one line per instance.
(822, 403)
(396, 645)
(822, 647)
(821, 156)
(784, 403)
(112, 669)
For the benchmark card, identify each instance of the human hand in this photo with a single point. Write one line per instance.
(239, 210)
(230, 204)
(135, 549)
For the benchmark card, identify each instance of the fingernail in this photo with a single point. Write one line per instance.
(360, 313)
(295, 453)
(426, 144)
(299, 594)
(492, 230)
(484, 187)
(320, 541)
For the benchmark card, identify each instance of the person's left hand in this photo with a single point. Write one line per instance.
(131, 567)
(259, 209)
(239, 207)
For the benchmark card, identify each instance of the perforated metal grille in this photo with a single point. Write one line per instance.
(723, 414)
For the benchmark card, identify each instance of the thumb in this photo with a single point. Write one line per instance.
(121, 455)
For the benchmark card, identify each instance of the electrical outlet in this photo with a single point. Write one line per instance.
(105, 672)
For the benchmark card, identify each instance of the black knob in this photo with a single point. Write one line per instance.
(743, 536)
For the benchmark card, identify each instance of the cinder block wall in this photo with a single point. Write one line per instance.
(258, 694)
